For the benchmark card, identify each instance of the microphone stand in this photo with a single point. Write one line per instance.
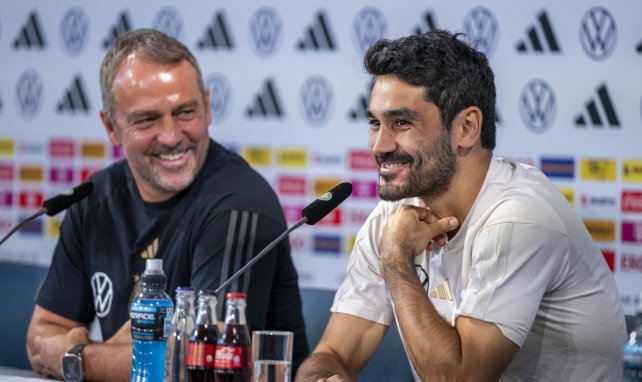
(261, 254)
(19, 225)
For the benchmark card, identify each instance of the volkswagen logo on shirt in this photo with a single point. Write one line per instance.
(598, 33)
(482, 30)
(103, 290)
(169, 21)
(29, 93)
(265, 31)
(537, 106)
(315, 99)
(74, 31)
(369, 25)
(220, 94)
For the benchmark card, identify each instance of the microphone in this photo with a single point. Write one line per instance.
(311, 214)
(54, 205)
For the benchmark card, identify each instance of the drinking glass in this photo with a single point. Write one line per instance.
(272, 355)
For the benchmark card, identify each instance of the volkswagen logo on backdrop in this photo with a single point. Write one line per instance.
(537, 106)
(265, 31)
(74, 31)
(482, 30)
(169, 21)
(220, 94)
(598, 33)
(369, 25)
(315, 100)
(29, 93)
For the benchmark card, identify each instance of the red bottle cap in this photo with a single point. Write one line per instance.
(232, 295)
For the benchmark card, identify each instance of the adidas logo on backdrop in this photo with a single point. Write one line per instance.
(540, 37)
(427, 23)
(266, 103)
(30, 35)
(75, 98)
(318, 36)
(121, 26)
(599, 110)
(217, 35)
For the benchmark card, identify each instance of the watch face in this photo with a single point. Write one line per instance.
(72, 368)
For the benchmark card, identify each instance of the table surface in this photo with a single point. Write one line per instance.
(10, 374)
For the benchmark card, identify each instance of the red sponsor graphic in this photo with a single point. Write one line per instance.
(364, 189)
(609, 256)
(6, 198)
(361, 160)
(631, 263)
(357, 217)
(85, 172)
(5, 224)
(292, 213)
(291, 185)
(62, 148)
(297, 241)
(30, 199)
(631, 201)
(6, 171)
(332, 219)
(61, 175)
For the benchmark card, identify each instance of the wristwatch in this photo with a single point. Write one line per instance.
(72, 367)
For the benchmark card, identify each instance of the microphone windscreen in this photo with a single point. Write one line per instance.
(318, 209)
(66, 199)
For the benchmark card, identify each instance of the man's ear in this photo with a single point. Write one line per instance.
(467, 127)
(112, 133)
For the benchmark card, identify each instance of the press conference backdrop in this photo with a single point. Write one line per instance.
(288, 91)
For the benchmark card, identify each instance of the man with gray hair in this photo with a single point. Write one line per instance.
(178, 196)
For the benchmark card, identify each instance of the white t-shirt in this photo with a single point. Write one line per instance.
(523, 260)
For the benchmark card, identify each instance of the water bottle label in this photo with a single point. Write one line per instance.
(150, 324)
(200, 354)
(231, 357)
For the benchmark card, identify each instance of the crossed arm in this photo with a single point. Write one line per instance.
(472, 350)
(50, 336)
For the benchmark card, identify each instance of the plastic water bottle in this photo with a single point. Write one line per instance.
(180, 330)
(150, 315)
(632, 358)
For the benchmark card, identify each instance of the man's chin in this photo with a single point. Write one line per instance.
(391, 193)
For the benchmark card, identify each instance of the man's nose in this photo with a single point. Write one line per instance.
(383, 142)
(169, 132)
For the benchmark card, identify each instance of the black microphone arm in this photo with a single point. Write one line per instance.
(311, 214)
(56, 204)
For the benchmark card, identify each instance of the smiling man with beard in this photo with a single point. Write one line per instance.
(516, 288)
(178, 196)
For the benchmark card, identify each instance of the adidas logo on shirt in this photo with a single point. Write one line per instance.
(442, 292)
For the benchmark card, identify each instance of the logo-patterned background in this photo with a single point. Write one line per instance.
(288, 93)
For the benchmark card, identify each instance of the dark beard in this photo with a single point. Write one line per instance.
(430, 174)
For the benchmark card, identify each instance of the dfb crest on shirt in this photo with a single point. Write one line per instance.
(103, 293)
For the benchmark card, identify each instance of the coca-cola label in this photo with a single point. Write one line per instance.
(231, 357)
(200, 354)
(631, 201)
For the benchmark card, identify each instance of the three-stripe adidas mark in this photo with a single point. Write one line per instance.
(122, 25)
(318, 36)
(150, 251)
(217, 36)
(429, 24)
(30, 35)
(358, 112)
(597, 109)
(266, 103)
(75, 98)
(533, 40)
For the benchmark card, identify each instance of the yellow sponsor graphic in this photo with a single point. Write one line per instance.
(93, 150)
(601, 230)
(632, 171)
(569, 194)
(31, 173)
(292, 158)
(53, 227)
(323, 185)
(350, 243)
(442, 292)
(598, 169)
(257, 156)
(6, 147)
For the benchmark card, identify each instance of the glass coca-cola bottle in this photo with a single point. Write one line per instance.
(233, 360)
(202, 342)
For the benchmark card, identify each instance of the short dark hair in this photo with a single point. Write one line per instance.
(151, 44)
(454, 75)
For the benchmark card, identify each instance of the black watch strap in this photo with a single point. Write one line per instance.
(77, 349)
